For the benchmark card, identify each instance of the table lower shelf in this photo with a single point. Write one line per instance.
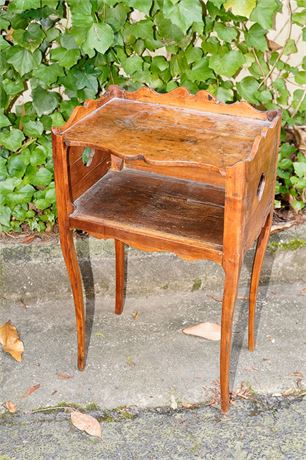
(155, 206)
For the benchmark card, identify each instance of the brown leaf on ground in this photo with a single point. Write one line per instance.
(187, 405)
(87, 423)
(135, 314)
(28, 239)
(63, 376)
(209, 331)
(31, 390)
(10, 406)
(10, 341)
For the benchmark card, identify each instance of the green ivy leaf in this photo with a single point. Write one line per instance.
(38, 156)
(3, 169)
(183, 13)
(42, 203)
(21, 195)
(44, 101)
(132, 64)
(4, 24)
(224, 94)
(57, 119)
(297, 205)
(66, 58)
(290, 47)
(5, 216)
(300, 169)
(299, 18)
(4, 121)
(33, 128)
(50, 195)
(8, 185)
(48, 73)
(225, 33)
(100, 37)
(30, 38)
(256, 38)
(11, 140)
(300, 77)
(16, 166)
(283, 93)
(3, 43)
(23, 5)
(13, 87)
(140, 5)
(247, 88)
(227, 64)
(23, 60)
(200, 71)
(240, 7)
(166, 30)
(264, 12)
(41, 178)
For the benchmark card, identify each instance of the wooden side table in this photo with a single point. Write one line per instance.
(169, 172)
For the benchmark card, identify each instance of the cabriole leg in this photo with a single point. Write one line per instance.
(228, 306)
(119, 249)
(70, 257)
(261, 246)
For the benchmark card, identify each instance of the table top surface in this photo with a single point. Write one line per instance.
(163, 134)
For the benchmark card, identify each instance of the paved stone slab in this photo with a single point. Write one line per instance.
(269, 429)
(147, 361)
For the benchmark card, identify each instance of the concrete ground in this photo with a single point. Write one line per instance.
(265, 430)
(149, 385)
(142, 360)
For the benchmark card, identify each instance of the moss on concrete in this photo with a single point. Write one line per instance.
(291, 245)
(62, 406)
(197, 284)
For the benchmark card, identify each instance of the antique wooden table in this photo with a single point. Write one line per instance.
(169, 172)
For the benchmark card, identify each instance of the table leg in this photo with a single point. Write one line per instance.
(119, 249)
(71, 260)
(229, 298)
(261, 246)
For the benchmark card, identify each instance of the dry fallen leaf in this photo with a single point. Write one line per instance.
(31, 390)
(10, 406)
(87, 423)
(10, 341)
(209, 331)
(63, 376)
(187, 405)
(135, 314)
(28, 239)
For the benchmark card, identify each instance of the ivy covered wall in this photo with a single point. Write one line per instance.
(55, 54)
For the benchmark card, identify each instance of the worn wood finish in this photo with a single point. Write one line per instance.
(119, 249)
(155, 205)
(171, 172)
(82, 177)
(64, 208)
(164, 135)
(261, 246)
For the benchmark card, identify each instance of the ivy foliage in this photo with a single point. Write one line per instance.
(55, 54)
